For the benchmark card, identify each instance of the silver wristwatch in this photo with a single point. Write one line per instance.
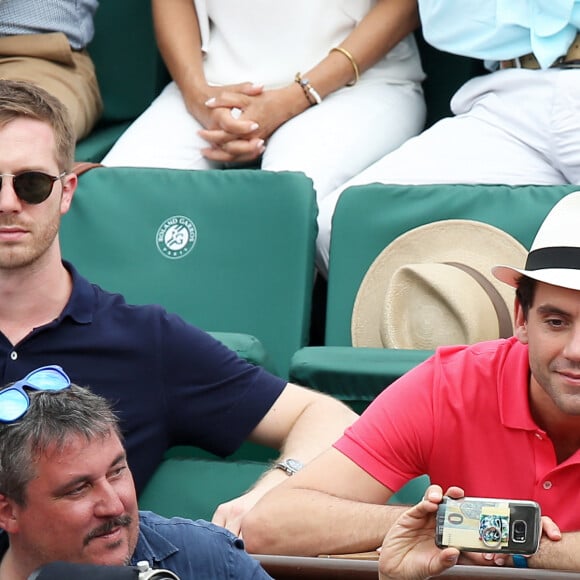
(290, 466)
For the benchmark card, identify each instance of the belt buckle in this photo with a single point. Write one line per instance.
(566, 64)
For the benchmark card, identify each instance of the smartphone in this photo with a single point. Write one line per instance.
(476, 524)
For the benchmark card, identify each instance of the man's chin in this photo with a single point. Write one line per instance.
(111, 554)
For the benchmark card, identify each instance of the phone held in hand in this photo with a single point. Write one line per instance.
(475, 524)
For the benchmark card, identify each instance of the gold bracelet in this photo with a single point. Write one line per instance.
(352, 62)
(311, 94)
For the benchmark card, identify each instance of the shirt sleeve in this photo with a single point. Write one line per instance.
(392, 439)
(214, 398)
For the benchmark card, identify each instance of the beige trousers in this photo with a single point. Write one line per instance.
(48, 61)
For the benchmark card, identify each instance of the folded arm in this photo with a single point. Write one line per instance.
(301, 424)
(330, 507)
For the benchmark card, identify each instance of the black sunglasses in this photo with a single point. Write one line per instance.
(32, 186)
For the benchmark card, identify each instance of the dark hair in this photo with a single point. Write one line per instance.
(21, 99)
(525, 291)
(52, 418)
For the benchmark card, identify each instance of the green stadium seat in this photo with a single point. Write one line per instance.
(129, 69)
(246, 262)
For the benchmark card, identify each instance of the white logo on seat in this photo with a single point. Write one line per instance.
(176, 237)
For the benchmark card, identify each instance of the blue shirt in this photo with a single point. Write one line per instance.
(72, 17)
(501, 29)
(170, 382)
(194, 550)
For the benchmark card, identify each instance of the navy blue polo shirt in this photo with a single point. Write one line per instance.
(170, 383)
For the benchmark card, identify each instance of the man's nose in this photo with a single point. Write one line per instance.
(572, 349)
(9, 201)
(108, 501)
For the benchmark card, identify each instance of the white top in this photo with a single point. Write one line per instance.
(268, 42)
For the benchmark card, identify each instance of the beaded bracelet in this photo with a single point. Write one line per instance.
(352, 62)
(310, 92)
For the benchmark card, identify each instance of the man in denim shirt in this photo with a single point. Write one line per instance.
(67, 494)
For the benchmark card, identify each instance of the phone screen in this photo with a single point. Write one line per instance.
(489, 525)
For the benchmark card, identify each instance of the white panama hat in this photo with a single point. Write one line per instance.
(554, 257)
(433, 286)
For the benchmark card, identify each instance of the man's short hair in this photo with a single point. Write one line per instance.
(525, 291)
(20, 99)
(51, 420)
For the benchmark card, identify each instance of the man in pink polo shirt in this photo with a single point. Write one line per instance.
(497, 419)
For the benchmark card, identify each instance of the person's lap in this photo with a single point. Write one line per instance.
(330, 142)
(513, 128)
(350, 130)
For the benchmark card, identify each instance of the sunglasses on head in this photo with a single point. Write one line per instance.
(14, 401)
(32, 186)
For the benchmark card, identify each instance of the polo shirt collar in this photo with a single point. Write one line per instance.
(82, 301)
(151, 545)
(513, 394)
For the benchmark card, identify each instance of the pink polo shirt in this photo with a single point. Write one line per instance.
(463, 418)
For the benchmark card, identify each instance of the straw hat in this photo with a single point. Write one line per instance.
(554, 257)
(433, 286)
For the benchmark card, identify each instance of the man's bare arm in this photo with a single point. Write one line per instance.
(332, 506)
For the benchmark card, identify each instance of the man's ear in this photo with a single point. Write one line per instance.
(69, 185)
(520, 323)
(8, 514)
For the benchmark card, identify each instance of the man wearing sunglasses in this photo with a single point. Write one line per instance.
(67, 494)
(171, 383)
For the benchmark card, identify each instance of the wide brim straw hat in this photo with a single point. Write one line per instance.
(554, 257)
(433, 286)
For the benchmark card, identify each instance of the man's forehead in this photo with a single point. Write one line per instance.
(78, 444)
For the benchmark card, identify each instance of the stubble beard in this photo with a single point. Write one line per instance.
(21, 256)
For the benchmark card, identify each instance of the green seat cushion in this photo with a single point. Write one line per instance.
(353, 375)
(194, 487)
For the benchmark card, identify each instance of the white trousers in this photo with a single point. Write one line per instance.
(513, 127)
(330, 142)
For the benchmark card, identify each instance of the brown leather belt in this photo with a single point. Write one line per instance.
(570, 60)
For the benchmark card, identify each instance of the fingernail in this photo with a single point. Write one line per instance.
(257, 86)
(254, 126)
(488, 556)
(259, 143)
(210, 101)
(500, 561)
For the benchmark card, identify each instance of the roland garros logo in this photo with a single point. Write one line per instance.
(176, 237)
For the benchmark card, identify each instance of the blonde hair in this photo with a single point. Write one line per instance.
(21, 99)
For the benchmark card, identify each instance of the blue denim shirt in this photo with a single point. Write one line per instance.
(194, 550)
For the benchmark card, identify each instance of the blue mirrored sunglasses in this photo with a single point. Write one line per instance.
(14, 401)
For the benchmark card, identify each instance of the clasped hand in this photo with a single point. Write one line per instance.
(239, 121)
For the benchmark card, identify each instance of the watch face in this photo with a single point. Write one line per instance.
(294, 465)
(290, 466)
